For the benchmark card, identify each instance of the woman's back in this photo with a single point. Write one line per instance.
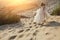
(39, 15)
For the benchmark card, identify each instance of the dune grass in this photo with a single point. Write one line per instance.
(8, 17)
(56, 11)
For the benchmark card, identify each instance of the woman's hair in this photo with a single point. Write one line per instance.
(42, 4)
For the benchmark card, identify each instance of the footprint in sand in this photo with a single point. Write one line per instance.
(35, 33)
(54, 35)
(27, 30)
(20, 36)
(20, 31)
(31, 38)
(34, 22)
(12, 37)
(35, 25)
(47, 33)
(29, 23)
(39, 24)
(30, 27)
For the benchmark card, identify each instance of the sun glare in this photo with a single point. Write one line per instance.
(17, 2)
(20, 4)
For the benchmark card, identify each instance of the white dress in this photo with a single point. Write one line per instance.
(40, 15)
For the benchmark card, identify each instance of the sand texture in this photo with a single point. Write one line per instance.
(27, 30)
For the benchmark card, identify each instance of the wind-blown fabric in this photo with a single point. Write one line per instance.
(41, 15)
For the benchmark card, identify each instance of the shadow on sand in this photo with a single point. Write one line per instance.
(9, 26)
(13, 25)
(52, 24)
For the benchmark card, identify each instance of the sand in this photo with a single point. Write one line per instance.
(27, 30)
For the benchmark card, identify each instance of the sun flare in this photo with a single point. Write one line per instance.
(16, 2)
(20, 4)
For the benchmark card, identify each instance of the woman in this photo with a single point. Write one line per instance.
(41, 15)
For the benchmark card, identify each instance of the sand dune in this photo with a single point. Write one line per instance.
(27, 30)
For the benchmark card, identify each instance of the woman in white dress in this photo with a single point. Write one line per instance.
(41, 15)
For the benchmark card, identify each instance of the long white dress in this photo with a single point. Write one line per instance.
(41, 15)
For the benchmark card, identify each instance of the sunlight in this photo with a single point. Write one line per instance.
(14, 2)
(19, 4)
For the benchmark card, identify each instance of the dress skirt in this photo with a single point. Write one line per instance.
(40, 15)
